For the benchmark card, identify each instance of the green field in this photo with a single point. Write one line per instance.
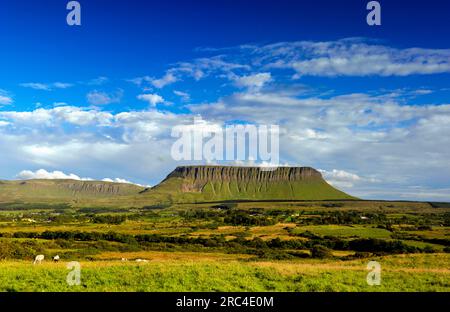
(228, 246)
(398, 273)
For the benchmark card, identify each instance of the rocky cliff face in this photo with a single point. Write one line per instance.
(67, 188)
(228, 173)
(100, 188)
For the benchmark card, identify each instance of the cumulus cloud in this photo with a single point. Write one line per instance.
(43, 174)
(373, 140)
(123, 181)
(152, 99)
(167, 79)
(340, 177)
(196, 69)
(52, 138)
(353, 57)
(60, 114)
(375, 136)
(345, 57)
(255, 81)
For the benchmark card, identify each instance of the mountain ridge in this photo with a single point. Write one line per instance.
(200, 183)
(185, 184)
(244, 173)
(64, 190)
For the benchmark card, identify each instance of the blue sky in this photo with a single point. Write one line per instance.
(369, 106)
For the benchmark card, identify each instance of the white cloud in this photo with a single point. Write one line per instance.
(152, 99)
(44, 174)
(46, 86)
(102, 98)
(123, 181)
(52, 117)
(98, 81)
(62, 85)
(255, 81)
(352, 57)
(340, 178)
(167, 79)
(185, 97)
(140, 80)
(197, 69)
(346, 57)
(201, 68)
(5, 99)
(36, 86)
(55, 104)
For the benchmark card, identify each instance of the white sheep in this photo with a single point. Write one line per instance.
(56, 258)
(38, 259)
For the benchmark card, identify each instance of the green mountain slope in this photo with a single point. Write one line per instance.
(63, 191)
(217, 183)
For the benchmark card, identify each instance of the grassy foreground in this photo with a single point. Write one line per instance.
(414, 272)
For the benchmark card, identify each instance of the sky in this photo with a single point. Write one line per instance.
(369, 106)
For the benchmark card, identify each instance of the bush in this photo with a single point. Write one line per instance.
(378, 245)
(109, 219)
(321, 252)
(19, 249)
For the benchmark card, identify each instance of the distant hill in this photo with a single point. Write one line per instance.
(65, 191)
(217, 183)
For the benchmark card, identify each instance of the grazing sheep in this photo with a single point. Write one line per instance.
(124, 259)
(38, 259)
(56, 258)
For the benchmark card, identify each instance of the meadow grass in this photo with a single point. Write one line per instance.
(417, 272)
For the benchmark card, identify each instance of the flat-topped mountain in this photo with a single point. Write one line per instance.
(63, 190)
(228, 173)
(214, 183)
